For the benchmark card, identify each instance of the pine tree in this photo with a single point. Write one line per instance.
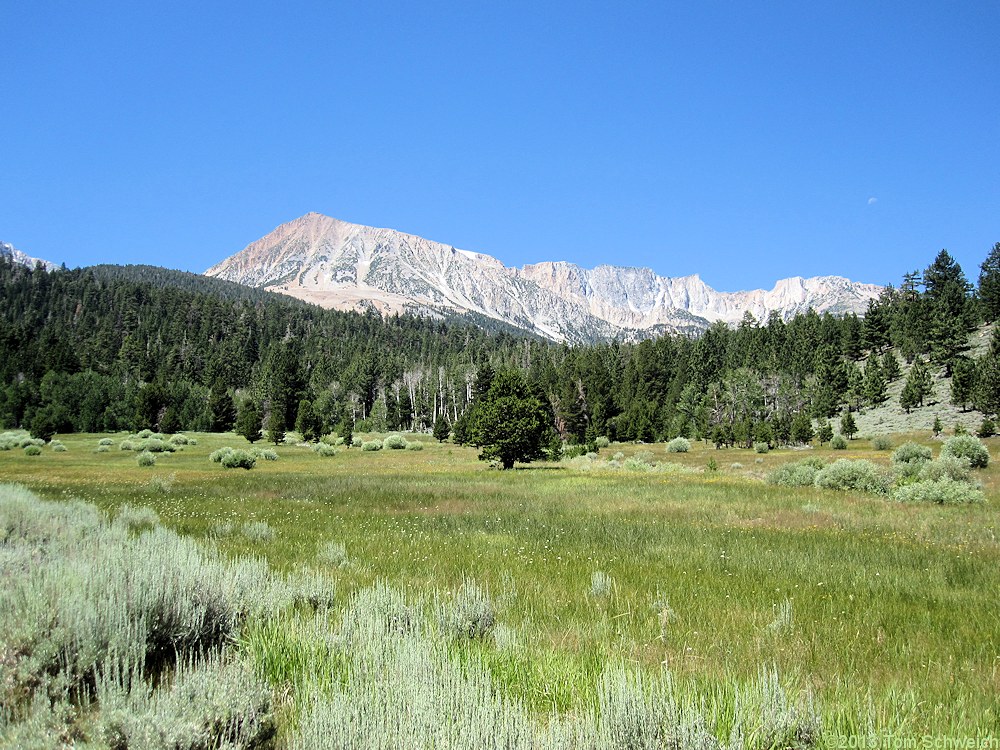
(346, 428)
(947, 295)
(989, 285)
(987, 393)
(890, 367)
(248, 421)
(802, 429)
(825, 432)
(917, 387)
(847, 425)
(509, 422)
(875, 327)
(275, 425)
(874, 383)
(441, 428)
(937, 426)
(963, 382)
(307, 422)
(221, 408)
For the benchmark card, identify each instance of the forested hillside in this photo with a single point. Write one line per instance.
(108, 348)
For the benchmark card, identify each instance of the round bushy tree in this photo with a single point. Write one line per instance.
(509, 422)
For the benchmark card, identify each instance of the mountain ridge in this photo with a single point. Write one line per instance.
(8, 250)
(342, 265)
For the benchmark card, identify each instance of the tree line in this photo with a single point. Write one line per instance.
(108, 348)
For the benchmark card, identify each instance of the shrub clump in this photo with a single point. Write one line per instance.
(324, 449)
(32, 450)
(216, 456)
(761, 447)
(468, 615)
(333, 553)
(858, 475)
(105, 441)
(795, 474)
(239, 459)
(258, 531)
(911, 453)
(416, 445)
(371, 445)
(967, 446)
(838, 443)
(57, 446)
(178, 440)
(394, 442)
(146, 459)
(956, 469)
(602, 442)
(268, 454)
(943, 491)
(881, 443)
(102, 449)
(679, 445)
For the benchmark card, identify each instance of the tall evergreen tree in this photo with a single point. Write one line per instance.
(947, 294)
(221, 408)
(963, 382)
(989, 285)
(509, 422)
(874, 382)
(847, 425)
(248, 421)
(987, 393)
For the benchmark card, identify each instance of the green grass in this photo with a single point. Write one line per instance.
(894, 623)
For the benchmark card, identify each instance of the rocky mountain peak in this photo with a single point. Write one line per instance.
(351, 266)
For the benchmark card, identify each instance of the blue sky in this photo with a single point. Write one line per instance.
(742, 141)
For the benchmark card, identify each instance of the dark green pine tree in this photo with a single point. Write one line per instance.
(875, 327)
(221, 408)
(248, 421)
(831, 382)
(847, 425)
(346, 428)
(509, 422)
(825, 432)
(890, 367)
(918, 386)
(987, 393)
(989, 285)
(874, 382)
(950, 310)
(963, 382)
(802, 429)
(307, 422)
(275, 424)
(441, 428)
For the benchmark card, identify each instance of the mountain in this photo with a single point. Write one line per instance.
(9, 251)
(349, 266)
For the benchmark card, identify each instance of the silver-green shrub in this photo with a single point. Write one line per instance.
(952, 467)
(796, 474)
(217, 455)
(371, 445)
(324, 449)
(761, 447)
(679, 445)
(132, 518)
(853, 474)
(602, 442)
(239, 459)
(333, 553)
(969, 447)
(209, 703)
(32, 450)
(102, 449)
(268, 454)
(882, 443)
(178, 439)
(416, 445)
(911, 453)
(258, 531)
(105, 441)
(146, 459)
(943, 491)
(467, 614)
(394, 442)
(57, 446)
(838, 442)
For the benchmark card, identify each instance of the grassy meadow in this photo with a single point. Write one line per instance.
(883, 615)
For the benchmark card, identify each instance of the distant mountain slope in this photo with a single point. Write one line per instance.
(349, 266)
(20, 258)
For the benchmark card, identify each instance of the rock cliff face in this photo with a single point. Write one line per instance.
(349, 266)
(17, 256)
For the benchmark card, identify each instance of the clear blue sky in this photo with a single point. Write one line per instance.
(742, 141)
